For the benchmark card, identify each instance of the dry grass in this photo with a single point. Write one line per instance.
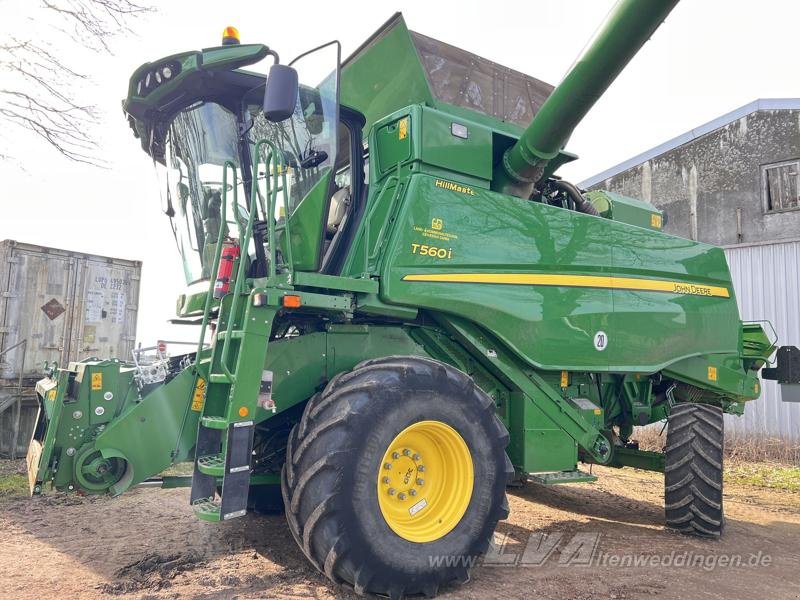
(739, 448)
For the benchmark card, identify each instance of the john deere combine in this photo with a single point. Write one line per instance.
(402, 308)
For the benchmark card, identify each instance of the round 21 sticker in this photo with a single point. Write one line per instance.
(600, 341)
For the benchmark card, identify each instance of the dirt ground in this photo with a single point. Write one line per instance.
(147, 544)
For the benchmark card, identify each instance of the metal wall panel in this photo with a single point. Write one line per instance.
(766, 278)
(68, 306)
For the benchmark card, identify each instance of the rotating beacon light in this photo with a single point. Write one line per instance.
(230, 36)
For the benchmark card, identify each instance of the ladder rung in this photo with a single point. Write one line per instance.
(212, 464)
(206, 509)
(219, 378)
(214, 422)
(234, 334)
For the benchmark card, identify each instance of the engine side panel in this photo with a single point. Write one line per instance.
(563, 289)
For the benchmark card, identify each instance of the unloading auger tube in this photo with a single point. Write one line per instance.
(626, 28)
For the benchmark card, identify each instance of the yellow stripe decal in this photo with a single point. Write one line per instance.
(587, 281)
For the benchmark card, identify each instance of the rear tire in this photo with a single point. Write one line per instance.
(334, 474)
(693, 470)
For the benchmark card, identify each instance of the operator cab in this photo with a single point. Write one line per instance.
(204, 139)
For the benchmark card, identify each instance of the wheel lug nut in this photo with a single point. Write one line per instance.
(406, 452)
(387, 466)
(401, 496)
(417, 457)
(391, 491)
(386, 480)
(421, 468)
(412, 492)
(420, 482)
(395, 455)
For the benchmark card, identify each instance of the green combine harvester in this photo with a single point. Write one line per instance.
(402, 309)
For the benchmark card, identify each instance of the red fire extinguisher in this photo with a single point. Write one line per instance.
(230, 252)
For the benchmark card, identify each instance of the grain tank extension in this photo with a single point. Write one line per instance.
(411, 311)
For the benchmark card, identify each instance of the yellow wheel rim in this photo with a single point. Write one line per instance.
(425, 481)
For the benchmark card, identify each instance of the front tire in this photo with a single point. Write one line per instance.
(397, 530)
(693, 470)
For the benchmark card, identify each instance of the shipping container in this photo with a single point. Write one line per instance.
(57, 306)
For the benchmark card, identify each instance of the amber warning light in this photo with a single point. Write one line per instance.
(230, 36)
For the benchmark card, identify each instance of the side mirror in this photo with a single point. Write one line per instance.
(280, 95)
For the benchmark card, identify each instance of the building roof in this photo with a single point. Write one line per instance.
(693, 134)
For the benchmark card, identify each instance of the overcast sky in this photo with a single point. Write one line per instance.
(708, 58)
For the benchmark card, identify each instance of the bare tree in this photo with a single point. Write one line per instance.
(41, 92)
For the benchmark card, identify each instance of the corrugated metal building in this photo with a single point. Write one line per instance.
(766, 278)
(735, 182)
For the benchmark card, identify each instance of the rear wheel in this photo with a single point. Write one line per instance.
(693, 470)
(395, 477)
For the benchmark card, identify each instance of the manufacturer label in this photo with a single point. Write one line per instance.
(402, 129)
(600, 341)
(418, 507)
(454, 187)
(655, 221)
(199, 395)
(97, 381)
(712, 373)
(432, 251)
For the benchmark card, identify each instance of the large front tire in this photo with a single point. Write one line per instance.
(693, 470)
(356, 500)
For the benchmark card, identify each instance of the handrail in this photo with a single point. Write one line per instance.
(217, 251)
(368, 219)
(245, 236)
(278, 176)
(244, 243)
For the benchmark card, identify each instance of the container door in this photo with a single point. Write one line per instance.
(38, 307)
(106, 299)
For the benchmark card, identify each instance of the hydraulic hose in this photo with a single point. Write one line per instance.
(581, 203)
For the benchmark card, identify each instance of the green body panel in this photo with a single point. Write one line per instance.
(626, 210)
(165, 410)
(302, 365)
(307, 228)
(439, 148)
(550, 326)
(384, 75)
(537, 443)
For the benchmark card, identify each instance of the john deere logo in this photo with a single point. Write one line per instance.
(437, 224)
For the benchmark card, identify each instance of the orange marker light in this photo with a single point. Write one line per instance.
(243, 412)
(290, 301)
(230, 36)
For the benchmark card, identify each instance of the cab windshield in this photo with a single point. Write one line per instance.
(200, 139)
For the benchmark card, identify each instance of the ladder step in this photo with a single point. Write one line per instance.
(576, 476)
(212, 464)
(214, 422)
(206, 509)
(210, 510)
(234, 334)
(219, 378)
